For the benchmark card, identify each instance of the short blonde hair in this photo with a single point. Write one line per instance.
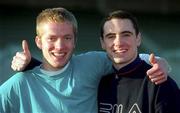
(55, 15)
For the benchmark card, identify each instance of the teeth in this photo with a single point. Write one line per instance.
(58, 54)
(120, 51)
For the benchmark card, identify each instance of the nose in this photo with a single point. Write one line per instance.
(117, 40)
(59, 44)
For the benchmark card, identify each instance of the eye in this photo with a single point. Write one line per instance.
(126, 35)
(68, 37)
(51, 39)
(110, 36)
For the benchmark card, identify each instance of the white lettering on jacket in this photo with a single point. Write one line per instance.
(115, 108)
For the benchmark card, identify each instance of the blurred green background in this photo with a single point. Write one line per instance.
(159, 24)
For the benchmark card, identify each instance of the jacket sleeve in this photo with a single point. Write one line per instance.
(168, 97)
(34, 62)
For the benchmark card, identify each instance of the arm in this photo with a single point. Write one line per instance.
(167, 97)
(33, 63)
(160, 68)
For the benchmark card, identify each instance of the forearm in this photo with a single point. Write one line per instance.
(33, 63)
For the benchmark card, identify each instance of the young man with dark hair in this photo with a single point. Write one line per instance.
(128, 89)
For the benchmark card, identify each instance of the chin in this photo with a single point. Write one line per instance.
(119, 60)
(60, 65)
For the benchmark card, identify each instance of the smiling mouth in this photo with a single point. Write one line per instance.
(120, 51)
(59, 55)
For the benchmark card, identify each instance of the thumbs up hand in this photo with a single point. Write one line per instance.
(21, 59)
(159, 72)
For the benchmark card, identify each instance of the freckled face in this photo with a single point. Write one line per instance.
(120, 41)
(57, 43)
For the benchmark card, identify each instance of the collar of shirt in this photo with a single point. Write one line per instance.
(129, 68)
(53, 73)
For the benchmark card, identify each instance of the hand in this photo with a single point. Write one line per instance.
(21, 59)
(159, 72)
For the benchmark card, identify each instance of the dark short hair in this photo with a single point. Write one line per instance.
(119, 14)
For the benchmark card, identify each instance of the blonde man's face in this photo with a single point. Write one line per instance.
(57, 42)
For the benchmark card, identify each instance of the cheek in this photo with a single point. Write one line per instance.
(47, 46)
(108, 44)
(70, 45)
(133, 45)
(131, 42)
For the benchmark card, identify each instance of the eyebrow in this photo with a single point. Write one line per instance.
(123, 32)
(109, 34)
(129, 32)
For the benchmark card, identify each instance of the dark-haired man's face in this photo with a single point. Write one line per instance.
(120, 41)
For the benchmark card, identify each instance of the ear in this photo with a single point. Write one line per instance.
(38, 42)
(138, 41)
(102, 43)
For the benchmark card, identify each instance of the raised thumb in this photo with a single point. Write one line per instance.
(152, 59)
(25, 47)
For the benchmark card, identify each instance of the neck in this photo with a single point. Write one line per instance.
(118, 66)
(46, 68)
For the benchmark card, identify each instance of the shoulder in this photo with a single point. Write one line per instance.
(14, 82)
(17, 77)
(168, 96)
(92, 54)
(20, 76)
(167, 91)
(170, 85)
(95, 63)
(166, 88)
(96, 59)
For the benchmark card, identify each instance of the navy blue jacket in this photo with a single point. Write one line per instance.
(129, 90)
